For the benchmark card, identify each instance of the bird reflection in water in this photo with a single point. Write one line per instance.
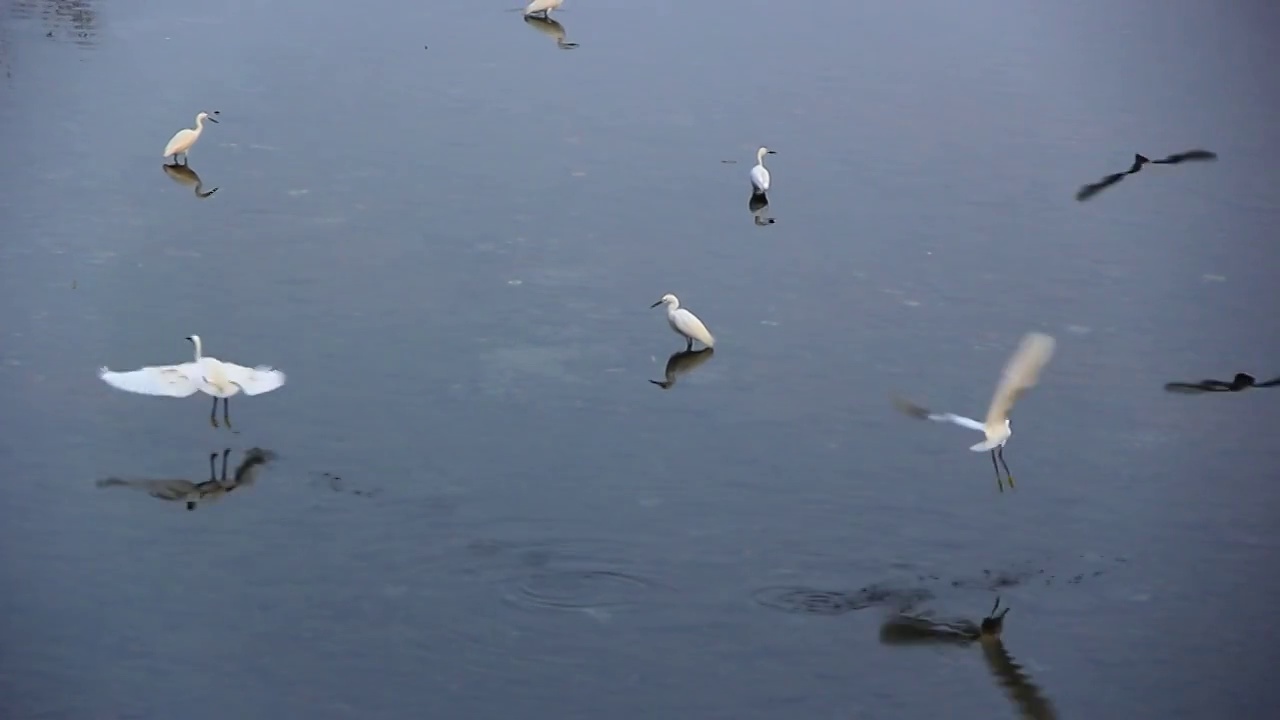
(185, 176)
(1242, 381)
(681, 363)
(904, 629)
(759, 205)
(552, 28)
(193, 493)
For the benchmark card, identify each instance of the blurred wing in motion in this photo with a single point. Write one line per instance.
(1021, 373)
(254, 381)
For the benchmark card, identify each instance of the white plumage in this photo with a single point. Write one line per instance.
(205, 374)
(760, 174)
(542, 6)
(685, 323)
(1021, 373)
(182, 140)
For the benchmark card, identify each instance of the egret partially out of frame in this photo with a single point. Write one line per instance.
(685, 323)
(1020, 374)
(542, 6)
(206, 374)
(759, 173)
(182, 140)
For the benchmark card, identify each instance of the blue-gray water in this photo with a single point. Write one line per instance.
(448, 231)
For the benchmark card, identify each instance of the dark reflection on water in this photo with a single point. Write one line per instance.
(204, 492)
(187, 177)
(74, 20)
(905, 629)
(682, 362)
(551, 28)
(759, 207)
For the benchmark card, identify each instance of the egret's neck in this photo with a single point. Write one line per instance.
(196, 342)
(199, 123)
(760, 158)
(673, 306)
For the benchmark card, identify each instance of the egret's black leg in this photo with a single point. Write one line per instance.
(213, 414)
(1006, 466)
(213, 475)
(226, 411)
(225, 453)
(999, 483)
(688, 345)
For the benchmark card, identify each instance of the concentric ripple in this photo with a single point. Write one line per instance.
(812, 601)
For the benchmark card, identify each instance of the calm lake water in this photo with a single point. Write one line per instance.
(448, 231)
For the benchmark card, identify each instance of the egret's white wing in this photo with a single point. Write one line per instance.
(167, 380)
(253, 381)
(689, 324)
(179, 139)
(916, 411)
(176, 489)
(760, 177)
(1020, 374)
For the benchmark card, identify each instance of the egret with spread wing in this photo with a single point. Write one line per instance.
(1020, 374)
(205, 374)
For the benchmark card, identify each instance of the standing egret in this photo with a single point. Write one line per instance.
(542, 6)
(206, 374)
(182, 140)
(759, 173)
(1020, 374)
(685, 323)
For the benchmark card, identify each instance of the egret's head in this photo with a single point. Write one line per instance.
(764, 151)
(667, 299)
(193, 339)
(206, 116)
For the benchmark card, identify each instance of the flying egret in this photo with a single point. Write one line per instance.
(1020, 374)
(1242, 381)
(542, 6)
(206, 374)
(682, 362)
(759, 173)
(685, 323)
(182, 140)
(1088, 191)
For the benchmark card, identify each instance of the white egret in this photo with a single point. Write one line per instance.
(759, 173)
(542, 6)
(1020, 374)
(205, 374)
(685, 323)
(182, 140)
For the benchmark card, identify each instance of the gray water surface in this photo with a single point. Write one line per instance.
(447, 231)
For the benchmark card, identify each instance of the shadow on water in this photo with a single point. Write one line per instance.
(1242, 381)
(186, 177)
(552, 29)
(908, 630)
(759, 205)
(61, 19)
(194, 493)
(681, 363)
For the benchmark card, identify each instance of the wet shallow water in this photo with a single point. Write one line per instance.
(480, 504)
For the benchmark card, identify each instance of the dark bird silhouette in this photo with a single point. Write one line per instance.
(682, 363)
(1139, 160)
(1242, 381)
(192, 493)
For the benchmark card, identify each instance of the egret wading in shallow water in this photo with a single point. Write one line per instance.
(1020, 374)
(685, 323)
(205, 374)
(182, 140)
(542, 6)
(760, 174)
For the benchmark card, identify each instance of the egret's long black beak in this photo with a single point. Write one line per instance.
(211, 119)
(771, 152)
(188, 339)
(656, 304)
